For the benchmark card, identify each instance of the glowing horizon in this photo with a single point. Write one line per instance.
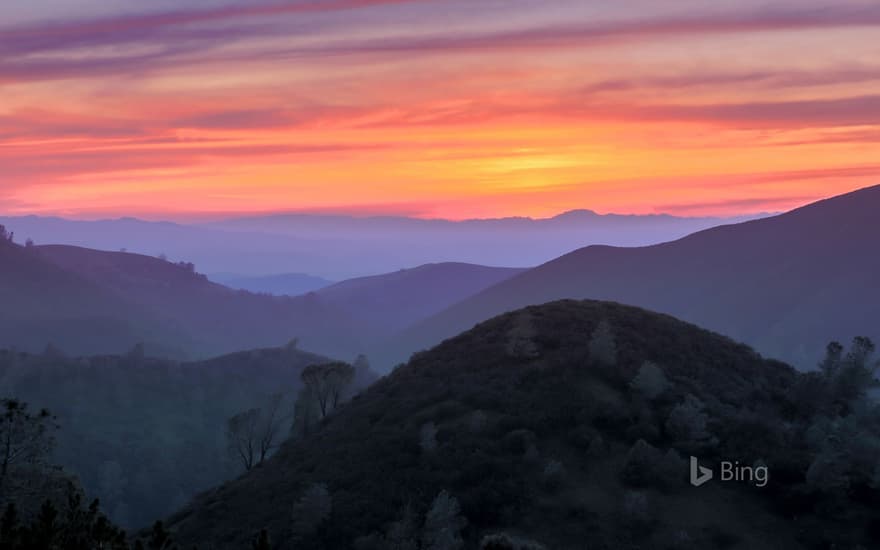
(435, 109)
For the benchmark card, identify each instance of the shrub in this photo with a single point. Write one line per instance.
(311, 510)
(428, 437)
(688, 424)
(641, 464)
(650, 381)
(636, 510)
(603, 346)
(553, 475)
(443, 524)
(672, 471)
(597, 448)
(477, 421)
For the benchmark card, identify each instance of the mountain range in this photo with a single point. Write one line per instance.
(343, 247)
(85, 301)
(783, 284)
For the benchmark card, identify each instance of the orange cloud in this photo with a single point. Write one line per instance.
(339, 106)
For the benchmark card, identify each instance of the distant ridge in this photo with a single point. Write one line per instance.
(398, 299)
(217, 319)
(335, 247)
(785, 284)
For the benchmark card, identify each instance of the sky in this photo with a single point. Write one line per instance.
(434, 108)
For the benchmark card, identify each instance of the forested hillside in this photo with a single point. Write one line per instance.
(145, 435)
(570, 424)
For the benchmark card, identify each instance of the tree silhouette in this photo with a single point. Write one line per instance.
(603, 347)
(326, 383)
(25, 438)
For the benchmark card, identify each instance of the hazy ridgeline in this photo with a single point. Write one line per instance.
(341, 247)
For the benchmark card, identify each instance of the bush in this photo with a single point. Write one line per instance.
(428, 437)
(553, 475)
(636, 511)
(650, 381)
(641, 465)
(603, 346)
(443, 524)
(311, 510)
(688, 425)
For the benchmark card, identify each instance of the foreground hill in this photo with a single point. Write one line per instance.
(548, 424)
(145, 435)
(397, 300)
(783, 284)
(216, 318)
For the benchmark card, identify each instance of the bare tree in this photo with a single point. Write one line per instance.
(271, 419)
(241, 434)
(253, 434)
(25, 438)
(326, 383)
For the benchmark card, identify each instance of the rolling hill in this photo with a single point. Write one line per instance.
(87, 301)
(544, 425)
(216, 318)
(399, 299)
(45, 304)
(785, 285)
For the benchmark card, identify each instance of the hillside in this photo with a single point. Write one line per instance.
(783, 284)
(399, 299)
(217, 318)
(45, 304)
(540, 423)
(145, 435)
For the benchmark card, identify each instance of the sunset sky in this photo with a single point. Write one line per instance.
(434, 108)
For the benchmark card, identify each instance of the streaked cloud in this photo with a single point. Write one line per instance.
(461, 108)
